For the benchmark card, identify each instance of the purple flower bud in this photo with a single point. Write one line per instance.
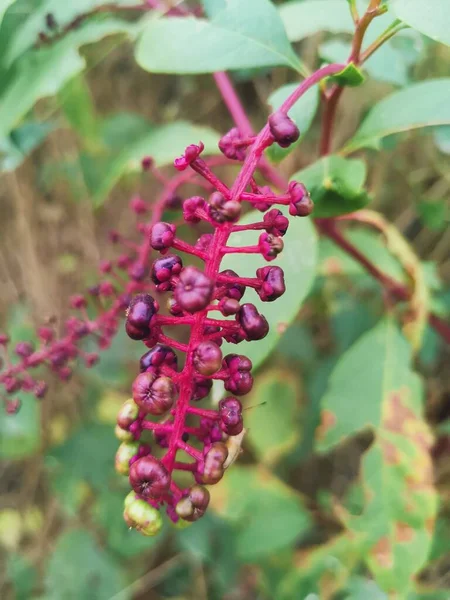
(139, 315)
(162, 236)
(301, 204)
(136, 272)
(194, 290)
(173, 202)
(202, 387)
(229, 306)
(12, 385)
(191, 154)
(144, 518)
(273, 285)
(191, 206)
(138, 205)
(173, 307)
(222, 210)
(154, 394)
(254, 325)
(157, 356)
(105, 266)
(77, 301)
(283, 129)
(275, 222)
(40, 389)
(231, 145)
(46, 334)
(240, 380)
(204, 242)
(24, 349)
(124, 454)
(147, 163)
(128, 414)
(164, 269)
(270, 246)
(231, 290)
(230, 411)
(207, 358)
(211, 472)
(149, 478)
(193, 506)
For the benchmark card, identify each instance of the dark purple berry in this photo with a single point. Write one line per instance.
(254, 325)
(231, 290)
(194, 290)
(193, 506)
(139, 315)
(275, 222)
(301, 204)
(156, 395)
(222, 210)
(283, 129)
(240, 380)
(207, 358)
(149, 478)
(157, 356)
(230, 412)
(164, 269)
(273, 285)
(202, 387)
(270, 246)
(211, 472)
(231, 145)
(162, 236)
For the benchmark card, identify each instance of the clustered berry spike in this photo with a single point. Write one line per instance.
(195, 440)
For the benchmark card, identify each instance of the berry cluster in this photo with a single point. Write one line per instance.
(164, 397)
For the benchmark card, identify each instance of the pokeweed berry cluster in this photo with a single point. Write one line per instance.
(164, 396)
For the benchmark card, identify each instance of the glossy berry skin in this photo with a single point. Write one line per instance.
(202, 387)
(156, 357)
(193, 506)
(275, 222)
(283, 129)
(149, 478)
(270, 246)
(231, 290)
(191, 206)
(162, 236)
(230, 412)
(213, 469)
(194, 290)
(139, 315)
(273, 285)
(163, 271)
(240, 380)
(207, 358)
(222, 210)
(154, 394)
(301, 204)
(254, 325)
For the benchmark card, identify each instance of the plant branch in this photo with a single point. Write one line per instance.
(394, 28)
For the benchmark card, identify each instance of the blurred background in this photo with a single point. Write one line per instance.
(70, 159)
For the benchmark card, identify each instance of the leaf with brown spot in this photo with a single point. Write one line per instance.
(373, 387)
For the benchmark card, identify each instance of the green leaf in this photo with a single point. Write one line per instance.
(335, 184)
(350, 76)
(4, 5)
(430, 18)
(273, 419)
(212, 7)
(22, 576)
(267, 514)
(302, 113)
(424, 104)
(85, 458)
(298, 261)
(42, 73)
(302, 19)
(163, 142)
(79, 568)
(15, 148)
(435, 214)
(78, 108)
(387, 64)
(442, 139)
(243, 35)
(373, 386)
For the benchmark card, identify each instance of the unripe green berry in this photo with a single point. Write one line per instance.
(124, 454)
(143, 517)
(123, 435)
(181, 524)
(128, 413)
